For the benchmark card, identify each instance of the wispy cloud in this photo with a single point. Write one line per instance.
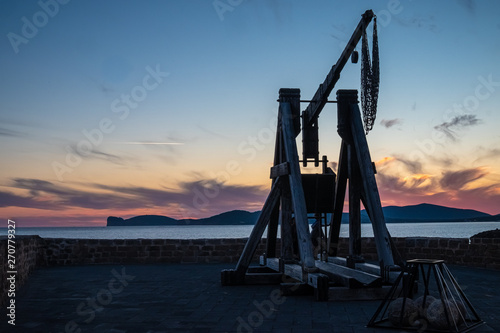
(96, 154)
(22, 128)
(420, 22)
(145, 143)
(450, 128)
(57, 197)
(199, 195)
(340, 33)
(487, 153)
(388, 123)
(213, 133)
(414, 185)
(456, 180)
(105, 89)
(448, 181)
(469, 5)
(9, 132)
(202, 197)
(443, 160)
(413, 166)
(8, 199)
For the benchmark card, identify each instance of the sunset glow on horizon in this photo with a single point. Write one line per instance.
(169, 107)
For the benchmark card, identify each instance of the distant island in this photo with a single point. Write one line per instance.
(393, 214)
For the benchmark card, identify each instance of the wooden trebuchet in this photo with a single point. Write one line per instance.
(297, 198)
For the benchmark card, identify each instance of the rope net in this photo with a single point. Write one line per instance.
(370, 79)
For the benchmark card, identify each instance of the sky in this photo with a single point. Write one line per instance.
(123, 108)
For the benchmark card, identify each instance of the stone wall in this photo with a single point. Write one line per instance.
(28, 255)
(477, 252)
(32, 251)
(60, 251)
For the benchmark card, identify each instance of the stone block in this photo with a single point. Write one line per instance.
(158, 241)
(443, 243)
(410, 243)
(433, 243)
(454, 243)
(145, 242)
(166, 253)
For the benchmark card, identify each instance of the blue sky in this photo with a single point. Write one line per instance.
(212, 104)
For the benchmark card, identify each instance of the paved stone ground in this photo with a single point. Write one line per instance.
(189, 298)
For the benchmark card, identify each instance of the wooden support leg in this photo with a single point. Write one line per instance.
(298, 198)
(287, 252)
(256, 235)
(354, 205)
(322, 288)
(382, 238)
(338, 208)
(272, 229)
(272, 232)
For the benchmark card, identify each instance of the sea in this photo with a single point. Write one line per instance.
(446, 230)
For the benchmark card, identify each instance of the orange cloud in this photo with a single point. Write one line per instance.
(452, 189)
(384, 161)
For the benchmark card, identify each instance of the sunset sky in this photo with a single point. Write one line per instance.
(126, 108)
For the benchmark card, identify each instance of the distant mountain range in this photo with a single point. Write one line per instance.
(393, 214)
(235, 217)
(429, 213)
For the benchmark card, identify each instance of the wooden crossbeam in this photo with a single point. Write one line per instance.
(282, 169)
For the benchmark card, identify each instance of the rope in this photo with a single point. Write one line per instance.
(370, 79)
